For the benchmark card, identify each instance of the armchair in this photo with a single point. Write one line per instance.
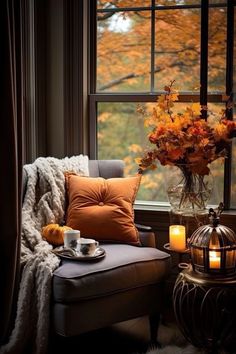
(127, 283)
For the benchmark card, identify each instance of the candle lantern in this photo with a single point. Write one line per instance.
(213, 247)
(204, 294)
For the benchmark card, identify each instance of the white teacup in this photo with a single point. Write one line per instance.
(87, 246)
(71, 238)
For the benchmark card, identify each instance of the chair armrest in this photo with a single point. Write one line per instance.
(143, 227)
(146, 235)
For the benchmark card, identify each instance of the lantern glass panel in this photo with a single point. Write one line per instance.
(214, 240)
(230, 258)
(197, 256)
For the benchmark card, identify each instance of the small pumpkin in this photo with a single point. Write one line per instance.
(54, 233)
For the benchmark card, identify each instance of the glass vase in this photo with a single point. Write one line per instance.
(188, 195)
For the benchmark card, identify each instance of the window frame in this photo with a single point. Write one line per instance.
(203, 97)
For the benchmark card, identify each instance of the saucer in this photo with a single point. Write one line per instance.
(72, 254)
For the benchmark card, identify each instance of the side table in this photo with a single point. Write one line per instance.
(180, 254)
(179, 260)
(205, 310)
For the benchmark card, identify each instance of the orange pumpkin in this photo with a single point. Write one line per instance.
(54, 233)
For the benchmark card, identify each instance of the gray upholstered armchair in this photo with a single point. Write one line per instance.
(127, 283)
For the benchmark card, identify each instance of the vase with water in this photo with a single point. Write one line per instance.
(188, 195)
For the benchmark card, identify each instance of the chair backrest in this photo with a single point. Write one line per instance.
(97, 168)
(106, 168)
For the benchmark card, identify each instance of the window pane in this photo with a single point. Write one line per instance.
(123, 52)
(217, 49)
(122, 135)
(177, 48)
(104, 4)
(233, 184)
(217, 167)
(233, 166)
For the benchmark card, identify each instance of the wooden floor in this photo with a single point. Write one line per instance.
(130, 337)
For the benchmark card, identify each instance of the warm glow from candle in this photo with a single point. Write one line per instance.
(214, 259)
(177, 237)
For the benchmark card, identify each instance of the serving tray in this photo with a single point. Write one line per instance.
(69, 253)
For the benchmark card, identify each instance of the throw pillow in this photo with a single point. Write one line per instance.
(103, 208)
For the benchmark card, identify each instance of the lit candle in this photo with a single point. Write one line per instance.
(214, 259)
(177, 238)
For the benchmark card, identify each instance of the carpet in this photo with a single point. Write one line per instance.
(173, 342)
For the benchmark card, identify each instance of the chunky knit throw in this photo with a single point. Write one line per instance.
(44, 203)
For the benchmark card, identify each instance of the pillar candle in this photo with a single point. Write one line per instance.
(214, 260)
(177, 237)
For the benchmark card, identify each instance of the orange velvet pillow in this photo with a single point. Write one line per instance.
(103, 208)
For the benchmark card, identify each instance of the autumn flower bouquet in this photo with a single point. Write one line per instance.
(185, 140)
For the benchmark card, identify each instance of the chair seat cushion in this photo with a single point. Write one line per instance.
(124, 267)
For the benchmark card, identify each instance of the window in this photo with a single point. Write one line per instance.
(139, 47)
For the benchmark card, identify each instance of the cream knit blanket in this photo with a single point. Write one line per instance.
(44, 203)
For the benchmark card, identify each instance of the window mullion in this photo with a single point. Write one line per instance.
(204, 55)
(92, 127)
(152, 46)
(229, 91)
(92, 80)
(230, 50)
(137, 97)
(92, 48)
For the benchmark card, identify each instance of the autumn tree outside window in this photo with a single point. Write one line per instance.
(140, 46)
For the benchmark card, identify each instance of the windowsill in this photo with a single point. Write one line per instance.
(157, 215)
(165, 207)
(151, 206)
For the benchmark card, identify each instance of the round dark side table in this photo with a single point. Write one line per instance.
(205, 310)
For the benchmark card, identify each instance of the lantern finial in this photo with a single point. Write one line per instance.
(214, 215)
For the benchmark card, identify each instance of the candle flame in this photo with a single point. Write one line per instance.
(176, 231)
(213, 254)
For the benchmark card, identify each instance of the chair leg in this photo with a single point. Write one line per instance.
(154, 321)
